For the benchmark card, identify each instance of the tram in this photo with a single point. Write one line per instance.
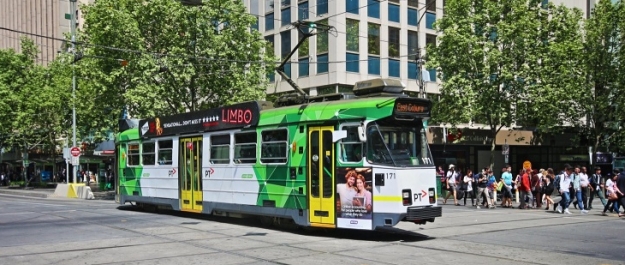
(352, 161)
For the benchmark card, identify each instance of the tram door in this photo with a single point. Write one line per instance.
(190, 174)
(321, 176)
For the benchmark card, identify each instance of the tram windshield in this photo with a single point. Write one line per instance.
(398, 145)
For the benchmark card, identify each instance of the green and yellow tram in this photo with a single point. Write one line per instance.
(356, 161)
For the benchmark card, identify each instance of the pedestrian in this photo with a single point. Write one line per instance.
(565, 182)
(595, 188)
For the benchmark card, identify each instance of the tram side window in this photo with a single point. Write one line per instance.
(351, 147)
(245, 148)
(164, 152)
(220, 149)
(148, 154)
(274, 146)
(133, 154)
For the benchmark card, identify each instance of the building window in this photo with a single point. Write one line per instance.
(255, 25)
(148, 154)
(322, 7)
(432, 74)
(326, 90)
(286, 16)
(220, 149)
(351, 6)
(322, 63)
(431, 6)
(393, 42)
(430, 18)
(269, 21)
(393, 12)
(373, 8)
(412, 70)
(322, 40)
(430, 39)
(285, 39)
(413, 42)
(274, 146)
(353, 35)
(245, 148)
(304, 66)
(134, 154)
(393, 68)
(345, 89)
(373, 46)
(165, 152)
(270, 51)
(374, 65)
(413, 17)
(352, 63)
(285, 3)
(302, 11)
(413, 3)
(287, 69)
(302, 51)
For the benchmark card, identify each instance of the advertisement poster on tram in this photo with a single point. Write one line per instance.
(354, 198)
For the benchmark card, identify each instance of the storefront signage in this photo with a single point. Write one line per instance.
(224, 118)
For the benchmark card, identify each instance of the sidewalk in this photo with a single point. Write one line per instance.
(48, 192)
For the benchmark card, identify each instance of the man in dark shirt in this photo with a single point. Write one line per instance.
(595, 187)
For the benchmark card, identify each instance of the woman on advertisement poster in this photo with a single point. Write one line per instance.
(362, 201)
(352, 201)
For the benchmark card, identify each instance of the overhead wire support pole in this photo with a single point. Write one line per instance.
(73, 29)
(418, 58)
(299, 25)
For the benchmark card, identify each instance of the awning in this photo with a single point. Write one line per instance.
(106, 148)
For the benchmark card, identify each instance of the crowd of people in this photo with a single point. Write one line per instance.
(573, 185)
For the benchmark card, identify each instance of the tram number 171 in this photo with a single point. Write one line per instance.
(390, 175)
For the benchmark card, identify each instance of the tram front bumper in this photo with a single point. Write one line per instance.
(422, 214)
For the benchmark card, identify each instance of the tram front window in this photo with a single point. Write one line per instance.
(401, 146)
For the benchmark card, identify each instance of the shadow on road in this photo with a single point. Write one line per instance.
(386, 234)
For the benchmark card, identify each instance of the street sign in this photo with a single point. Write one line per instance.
(75, 160)
(505, 149)
(75, 151)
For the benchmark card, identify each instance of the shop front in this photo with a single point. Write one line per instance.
(471, 148)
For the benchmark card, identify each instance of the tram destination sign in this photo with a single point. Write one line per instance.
(412, 107)
(223, 118)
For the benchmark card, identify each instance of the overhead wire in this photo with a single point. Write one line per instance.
(187, 56)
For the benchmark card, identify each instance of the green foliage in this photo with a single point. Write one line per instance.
(604, 58)
(33, 99)
(180, 58)
(507, 63)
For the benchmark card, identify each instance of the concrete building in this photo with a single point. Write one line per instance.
(46, 18)
(371, 39)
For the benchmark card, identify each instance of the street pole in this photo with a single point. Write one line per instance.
(73, 29)
(418, 58)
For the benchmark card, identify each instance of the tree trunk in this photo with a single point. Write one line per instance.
(493, 134)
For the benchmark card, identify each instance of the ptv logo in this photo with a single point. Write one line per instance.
(419, 196)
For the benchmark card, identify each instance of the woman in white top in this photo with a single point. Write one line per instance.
(610, 188)
(452, 175)
(468, 182)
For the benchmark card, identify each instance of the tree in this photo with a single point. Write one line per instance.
(490, 55)
(604, 57)
(32, 100)
(179, 58)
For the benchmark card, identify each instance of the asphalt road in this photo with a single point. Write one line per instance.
(68, 231)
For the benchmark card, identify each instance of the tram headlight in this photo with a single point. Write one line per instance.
(431, 193)
(406, 195)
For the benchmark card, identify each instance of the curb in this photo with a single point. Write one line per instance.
(25, 194)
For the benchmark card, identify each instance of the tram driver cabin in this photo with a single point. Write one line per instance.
(355, 161)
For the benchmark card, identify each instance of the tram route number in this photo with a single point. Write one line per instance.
(390, 175)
